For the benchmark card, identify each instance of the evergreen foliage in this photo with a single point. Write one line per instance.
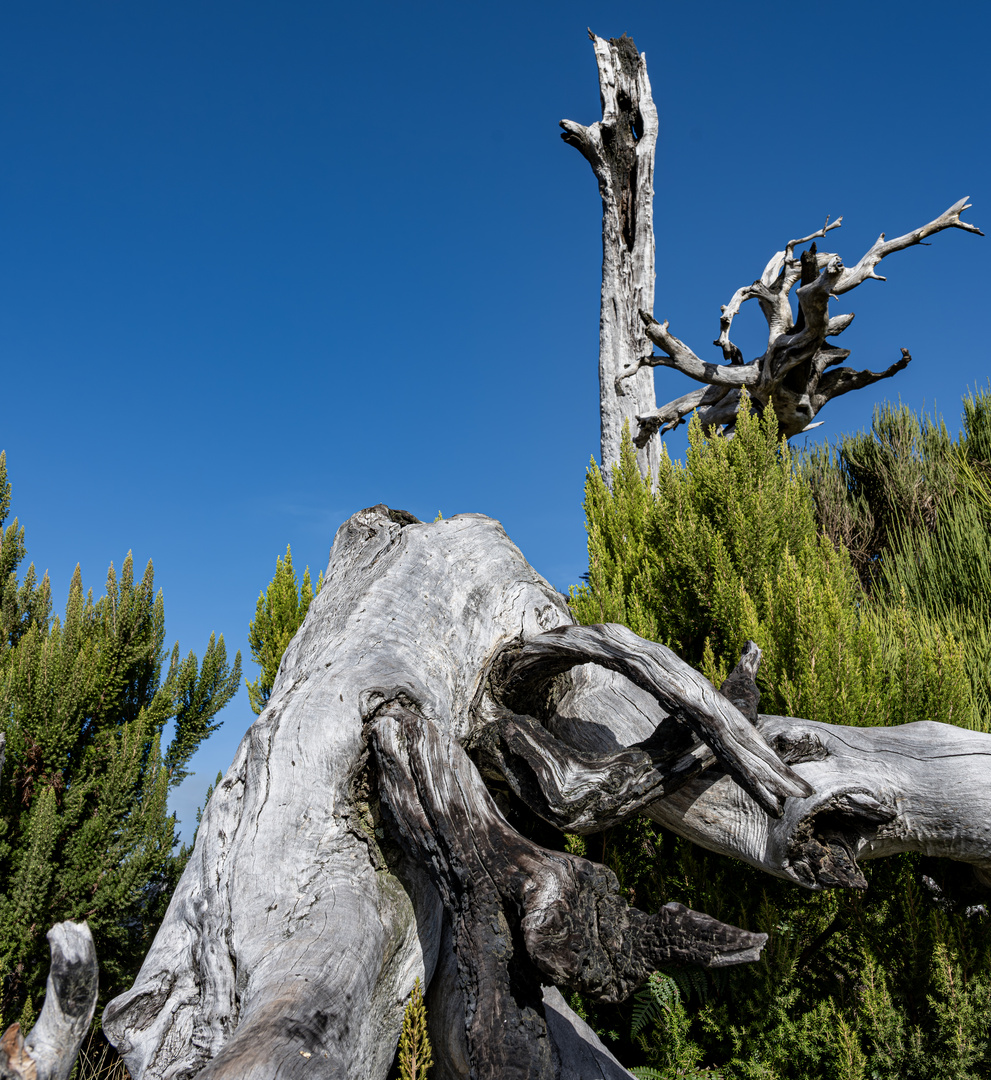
(746, 540)
(918, 504)
(415, 1052)
(728, 549)
(85, 831)
(278, 615)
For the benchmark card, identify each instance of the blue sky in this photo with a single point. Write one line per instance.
(265, 264)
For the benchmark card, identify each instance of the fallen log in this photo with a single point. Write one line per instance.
(353, 845)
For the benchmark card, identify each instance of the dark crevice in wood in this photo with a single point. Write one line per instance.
(822, 851)
(620, 140)
(679, 689)
(521, 914)
(580, 792)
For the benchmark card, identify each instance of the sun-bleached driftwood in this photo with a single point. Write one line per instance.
(50, 1050)
(353, 845)
(796, 375)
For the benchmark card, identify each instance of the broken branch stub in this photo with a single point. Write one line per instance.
(354, 846)
(50, 1050)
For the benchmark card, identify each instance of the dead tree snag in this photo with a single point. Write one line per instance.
(620, 149)
(798, 372)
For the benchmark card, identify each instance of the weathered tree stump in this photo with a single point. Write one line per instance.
(353, 845)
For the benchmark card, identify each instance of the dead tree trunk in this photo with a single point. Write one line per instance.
(355, 845)
(620, 149)
(796, 375)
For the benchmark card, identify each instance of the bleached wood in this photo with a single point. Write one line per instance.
(620, 149)
(50, 1050)
(296, 929)
(878, 791)
(325, 879)
(680, 690)
(790, 375)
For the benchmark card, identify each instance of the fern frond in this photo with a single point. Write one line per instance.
(655, 998)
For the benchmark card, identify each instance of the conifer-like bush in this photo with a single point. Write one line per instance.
(100, 720)
(279, 613)
(415, 1053)
(749, 540)
(913, 506)
(728, 548)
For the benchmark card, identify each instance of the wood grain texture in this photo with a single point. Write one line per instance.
(878, 791)
(328, 875)
(678, 688)
(521, 914)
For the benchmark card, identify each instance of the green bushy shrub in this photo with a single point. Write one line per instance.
(748, 539)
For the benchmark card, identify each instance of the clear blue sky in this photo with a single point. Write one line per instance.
(265, 264)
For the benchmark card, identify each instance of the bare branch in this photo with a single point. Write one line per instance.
(949, 219)
(721, 413)
(681, 357)
(838, 323)
(678, 688)
(829, 356)
(828, 227)
(579, 136)
(728, 313)
(781, 260)
(671, 415)
(782, 272)
(843, 380)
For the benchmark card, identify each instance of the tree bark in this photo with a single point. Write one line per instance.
(354, 844)
(620, 148)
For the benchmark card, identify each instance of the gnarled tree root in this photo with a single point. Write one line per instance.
(521, 914)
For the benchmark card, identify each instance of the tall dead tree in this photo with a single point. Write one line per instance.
(798, 372)
(364, 836)
(620, 148)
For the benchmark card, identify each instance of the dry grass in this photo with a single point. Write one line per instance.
(98, 1060)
